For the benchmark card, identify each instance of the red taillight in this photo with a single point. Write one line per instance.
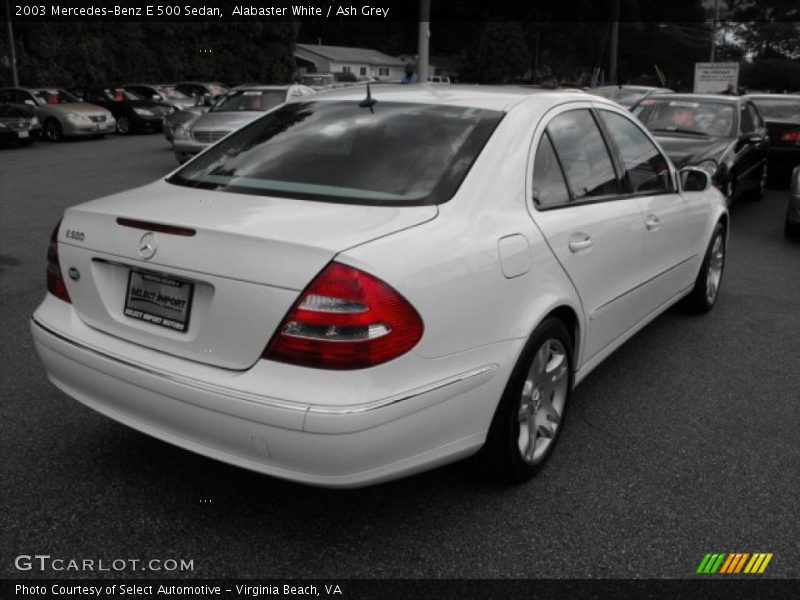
(791, 137)
(55, 279)
(346, 319)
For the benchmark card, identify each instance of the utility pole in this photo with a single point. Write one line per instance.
(11, 46)
(424, 35)
(714, 30)
(612, 67)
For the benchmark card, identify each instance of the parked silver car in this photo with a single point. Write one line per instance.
(235, 109)
(60, 113)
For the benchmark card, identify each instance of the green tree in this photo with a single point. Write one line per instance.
(502, 53)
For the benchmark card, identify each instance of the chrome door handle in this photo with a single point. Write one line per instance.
(583, 244)
(652, 223)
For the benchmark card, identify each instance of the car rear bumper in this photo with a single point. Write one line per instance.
(334, 446)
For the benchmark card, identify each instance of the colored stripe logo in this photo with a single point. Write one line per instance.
(734, 563)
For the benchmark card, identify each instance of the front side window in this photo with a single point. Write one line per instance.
(583, 155)
(339, 151)
(646, 168)
(549, 187)
(754, 118)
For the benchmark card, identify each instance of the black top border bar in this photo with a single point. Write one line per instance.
(685, 11)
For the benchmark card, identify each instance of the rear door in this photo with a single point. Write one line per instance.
(673, 223)
(592, 227)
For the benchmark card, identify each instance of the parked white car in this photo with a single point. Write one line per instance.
(355, 288)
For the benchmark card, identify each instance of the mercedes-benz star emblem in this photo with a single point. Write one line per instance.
(148, 246)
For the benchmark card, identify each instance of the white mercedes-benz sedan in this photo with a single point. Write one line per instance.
(364, 284)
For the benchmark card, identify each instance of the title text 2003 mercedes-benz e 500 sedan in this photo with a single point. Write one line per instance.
(356, 287)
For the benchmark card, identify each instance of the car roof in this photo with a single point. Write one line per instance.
(489, 97)
(774, 96)
(643, 88)
(258, 86)
(690, 96)
(199, 83)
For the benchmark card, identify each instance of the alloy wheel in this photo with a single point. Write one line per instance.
(542, 402)
(715, 264)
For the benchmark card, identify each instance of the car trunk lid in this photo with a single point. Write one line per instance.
(245, 257)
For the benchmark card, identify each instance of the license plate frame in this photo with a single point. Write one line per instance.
(23, 134)
(151, 303)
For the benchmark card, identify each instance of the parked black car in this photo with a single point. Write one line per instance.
(782, 115)
(166, 93)
(18, 124)
(131, 112)
(723, 135)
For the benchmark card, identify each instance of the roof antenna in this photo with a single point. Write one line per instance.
(369, 101)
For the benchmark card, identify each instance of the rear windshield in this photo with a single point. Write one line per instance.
(252, 100)
(779, 109)
(337, 151)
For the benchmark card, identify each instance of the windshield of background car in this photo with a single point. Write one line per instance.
(317, 80)
(779, 109)
(701, 117)
(216, 89)
(45, 97)
(253, 100)
(171, 92)
(120, 95)
(337, 151)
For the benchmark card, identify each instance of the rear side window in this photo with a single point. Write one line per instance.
(583, 154)
(646, 168)
(549, 187)
(389, 153)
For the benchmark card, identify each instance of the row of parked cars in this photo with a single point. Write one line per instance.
(738, 140)
(55, 113)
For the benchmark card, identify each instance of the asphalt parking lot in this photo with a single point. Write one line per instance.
(686, 441)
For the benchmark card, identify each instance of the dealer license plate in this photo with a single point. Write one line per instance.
(159, 299)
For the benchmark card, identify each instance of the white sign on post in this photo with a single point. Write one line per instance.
(715, 78)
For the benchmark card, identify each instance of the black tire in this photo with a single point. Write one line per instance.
(761, 188)
(124, 126)
(53, 131)
(502, 455)
(791, 230)
(702, 299)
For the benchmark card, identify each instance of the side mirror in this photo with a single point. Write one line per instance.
(30, 102)
(694, 180)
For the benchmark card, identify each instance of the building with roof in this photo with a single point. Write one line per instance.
(317, 58)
